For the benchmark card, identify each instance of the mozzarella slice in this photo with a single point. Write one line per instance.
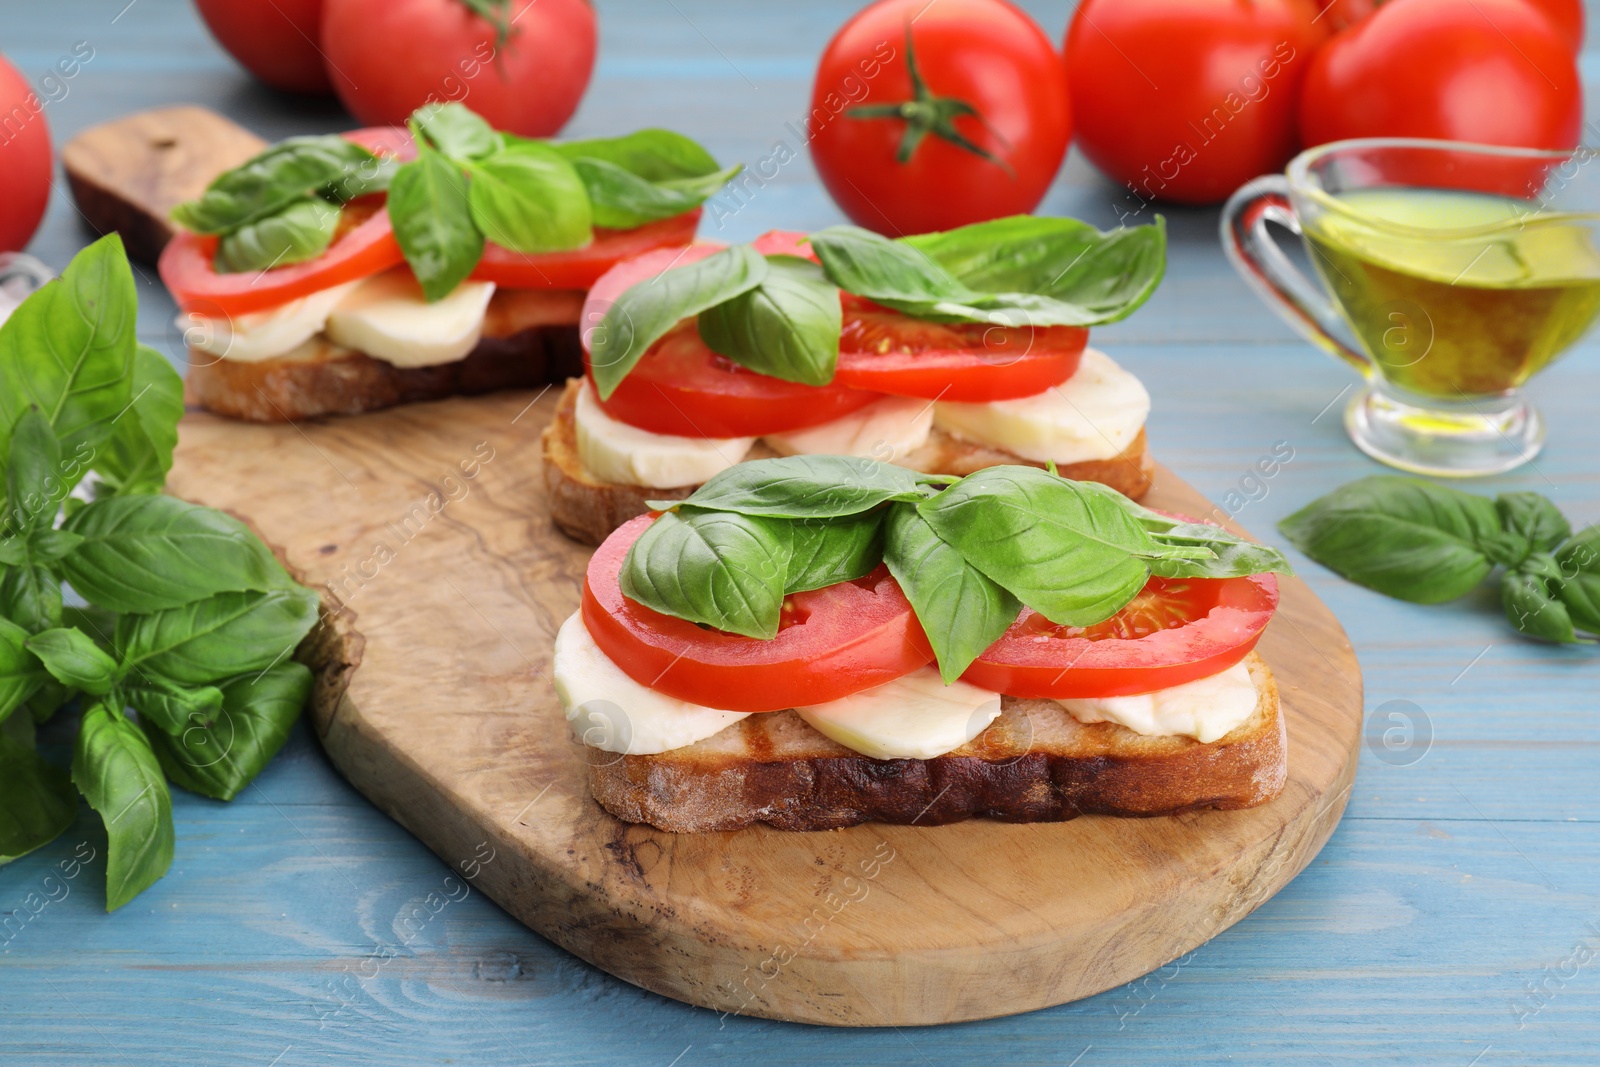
(1095, 414)
(610, 711)
(387, 318)
(914, 717)
(886, 430)
(1205, 710)
(613, 451)
(261, 335)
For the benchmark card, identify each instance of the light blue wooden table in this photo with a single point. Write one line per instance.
(1465, 875)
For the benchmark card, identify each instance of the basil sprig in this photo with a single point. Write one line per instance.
(1413, 540)
(191, 622)
(784, 322)
(969, 553)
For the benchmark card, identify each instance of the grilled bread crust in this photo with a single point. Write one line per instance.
(1035, 763)
(587, 509)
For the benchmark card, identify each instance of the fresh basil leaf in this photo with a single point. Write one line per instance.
(290, 170)
(98, 623)
(1578, 562)
(21, 674)
(1403, 537)
(51, 698)
(643, 313)
(1533, 520)
(1232, 556)
(529, 199)
(138, 454)
(34, 483)
(653, 154)
(14, 550)
(804, 487)
(1071, 554)
(30, 595)
(716, 568)
(224, 635)
(301, 231)
(219, 756)
(787, 327)
(117, 773)
(1105, 275)
(1526, 594)
(149, 553)
(870, 265)
(621, 200)
(50, 545)
(962, 611)
(457, 132)
(75, 660)
(68, 349)
(173, 708)
(37, 803)
(824, 552)
(432, 219)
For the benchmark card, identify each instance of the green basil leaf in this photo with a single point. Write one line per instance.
(138, 454)
(75, 660)
(432, 219)
(1232, 556)
(962, 611)
(172, 708)
(299, 232)
(621, 200)
(870, 265)
(224, 635)
(290, 170)
(34, 483)
(1533, 519)
(1070, 553)
(824, 552)
(68, 349)
(218, 757)
(1526, 595)
(1105, 276)
(457, 132)
(98, 623)
(529, 199)
(653, 154)
(14, 550)
(716, 568)
(30, 595)
(50, 545)
(149, 553)
(49, 699)
(37, 803)
(1579, 564)
(21, 674)
(643, 313)
(115, 770)
(1403, 537)
(804, 487)
(787, 327)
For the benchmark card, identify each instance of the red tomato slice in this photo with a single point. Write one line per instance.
(582, 267)
(833, 642)
(1177, 630)
(889, 352)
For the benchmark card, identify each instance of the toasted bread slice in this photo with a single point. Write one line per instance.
(1035, 763)
(530, 338)
(587, 509)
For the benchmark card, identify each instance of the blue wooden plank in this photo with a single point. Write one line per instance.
(1452, 918)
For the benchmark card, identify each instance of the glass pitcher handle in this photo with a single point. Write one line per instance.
(1256, 256)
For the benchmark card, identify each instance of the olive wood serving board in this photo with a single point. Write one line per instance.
(444, 583)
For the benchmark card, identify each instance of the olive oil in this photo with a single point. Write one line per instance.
(1455, 294)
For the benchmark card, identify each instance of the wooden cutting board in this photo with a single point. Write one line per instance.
(425, 527)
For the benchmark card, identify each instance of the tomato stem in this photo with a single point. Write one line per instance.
(497, 13)
(926, 113)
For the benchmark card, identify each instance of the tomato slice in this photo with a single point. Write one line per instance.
(886, 351)
(1176, 630)
(833, 642)
(582, 267)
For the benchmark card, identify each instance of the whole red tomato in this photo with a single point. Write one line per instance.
(1492, 71)
(927, 116)
(1187, 100)
(389, 57)
(276, 40)
(24, 160)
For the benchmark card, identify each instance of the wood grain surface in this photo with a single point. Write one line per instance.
(902, 925)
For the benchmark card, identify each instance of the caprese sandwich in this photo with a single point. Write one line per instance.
(945, 352)
(813, 642)
(344, 273)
